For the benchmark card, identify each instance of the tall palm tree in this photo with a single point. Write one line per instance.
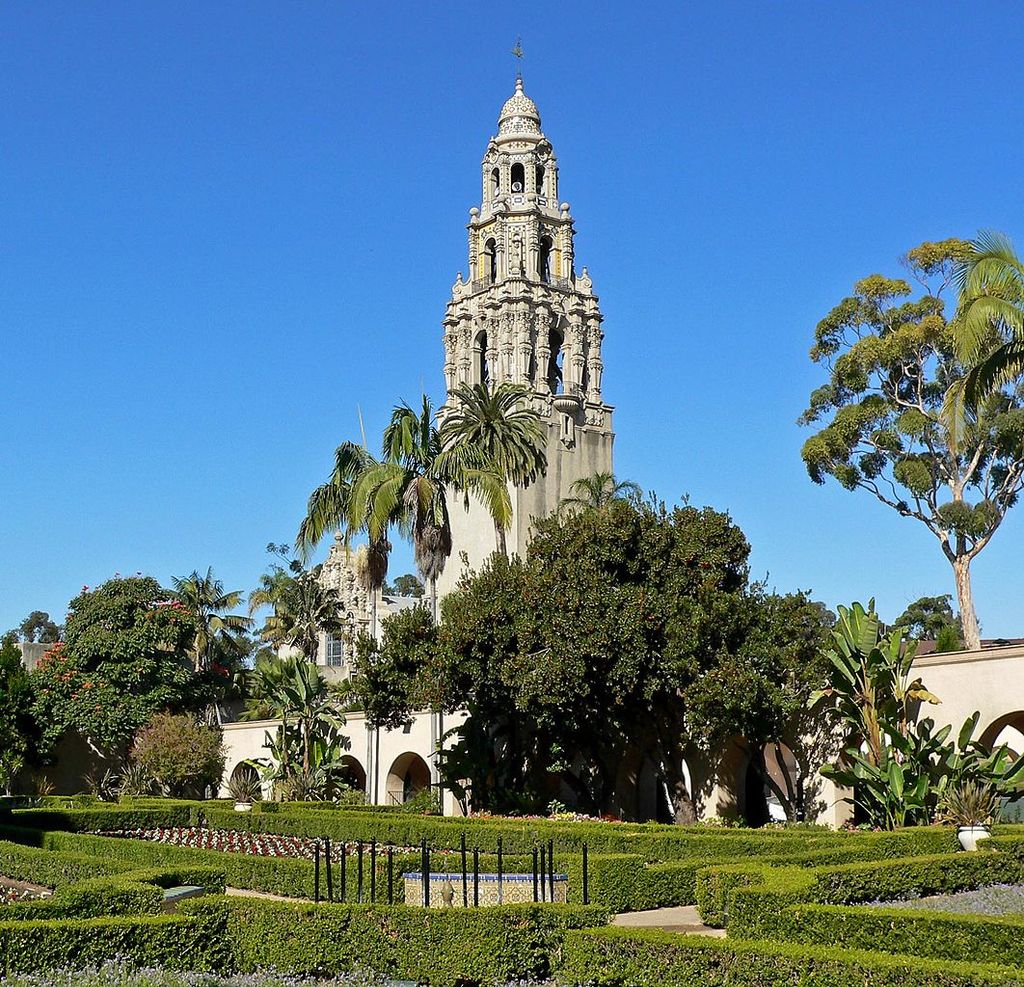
(496, 431)
(409, 488)
(598, 491)
(304, 610)
(329, 509)
(989, 326)
(216, 630)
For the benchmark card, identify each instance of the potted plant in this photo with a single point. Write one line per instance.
(972, 808)
(245, 788)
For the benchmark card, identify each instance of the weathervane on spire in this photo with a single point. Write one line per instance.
(518, 52)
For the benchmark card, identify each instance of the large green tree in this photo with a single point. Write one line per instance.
(882, 427)
(38, 628)
(494, 430)
(585, 655)
(931, 618)
(124, 657)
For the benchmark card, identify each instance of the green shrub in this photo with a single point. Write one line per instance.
(616, 957)
(53, 869)
(176, 942)
(442, 945)
(974, 938)
(182, 755)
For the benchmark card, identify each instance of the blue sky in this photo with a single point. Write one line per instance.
(224, 227)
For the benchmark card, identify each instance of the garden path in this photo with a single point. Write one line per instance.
(682, 918)
(246, 893)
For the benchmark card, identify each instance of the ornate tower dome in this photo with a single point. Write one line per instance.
(526, 316)
(519, 114)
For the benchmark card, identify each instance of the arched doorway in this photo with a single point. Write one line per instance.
(353, 774)
(409, 775)
(1007, 729)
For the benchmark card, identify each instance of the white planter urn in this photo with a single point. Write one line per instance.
(971, 836)
(243, 807)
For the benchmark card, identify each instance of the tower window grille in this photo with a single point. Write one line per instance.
(334, 651)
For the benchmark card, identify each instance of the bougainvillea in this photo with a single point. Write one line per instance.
(123, 659)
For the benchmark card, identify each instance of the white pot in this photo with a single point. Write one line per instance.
(970, 836)
(243, 807)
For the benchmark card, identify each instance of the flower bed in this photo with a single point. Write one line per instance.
(12, 891)
(237, 841)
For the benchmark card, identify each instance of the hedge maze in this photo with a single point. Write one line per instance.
(798, 905)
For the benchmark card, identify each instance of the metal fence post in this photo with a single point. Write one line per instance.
(501, 889)
(330, 873)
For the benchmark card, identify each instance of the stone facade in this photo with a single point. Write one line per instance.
(525, 316)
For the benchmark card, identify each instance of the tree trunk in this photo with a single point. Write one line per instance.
(684, 812)
(433, 599)
(968, 618)
(499, 538)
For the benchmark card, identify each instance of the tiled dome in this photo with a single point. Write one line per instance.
(519, 114)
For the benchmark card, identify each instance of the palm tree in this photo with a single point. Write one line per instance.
(599, 491)
(216, 630)
(303, 610)
(329, 509)
(408, 488)
(989, 326)
(496, 432)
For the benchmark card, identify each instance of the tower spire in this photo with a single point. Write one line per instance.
(525, 316)
(517, 51)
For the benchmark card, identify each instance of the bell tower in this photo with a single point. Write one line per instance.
(525, 315)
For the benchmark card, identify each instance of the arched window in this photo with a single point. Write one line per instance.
(555, 362)
(518, 178)
(483, 370)
(495, 183)
(490, 260)
(540, 179)
(544, 259)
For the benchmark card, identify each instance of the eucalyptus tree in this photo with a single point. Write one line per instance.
(883, 416)
(496, 431)
(216, 630)
(990, 323)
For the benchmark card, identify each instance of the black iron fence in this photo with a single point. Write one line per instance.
(327, 864)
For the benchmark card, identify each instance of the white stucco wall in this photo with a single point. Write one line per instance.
(384, 755)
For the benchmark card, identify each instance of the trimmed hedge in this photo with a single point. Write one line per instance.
(974, 938)
(759, 892)
(177, 942)
(617, 957)
(443, 945)
(51, 868)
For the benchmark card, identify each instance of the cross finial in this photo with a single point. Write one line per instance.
(518, 53)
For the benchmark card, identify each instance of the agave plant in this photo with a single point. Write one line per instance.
(135, 782)
(969, 804)
(245, 786)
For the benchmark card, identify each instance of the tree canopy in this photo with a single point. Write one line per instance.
(593, 652)
(124, 658)
(17, 728)
(884, 425)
